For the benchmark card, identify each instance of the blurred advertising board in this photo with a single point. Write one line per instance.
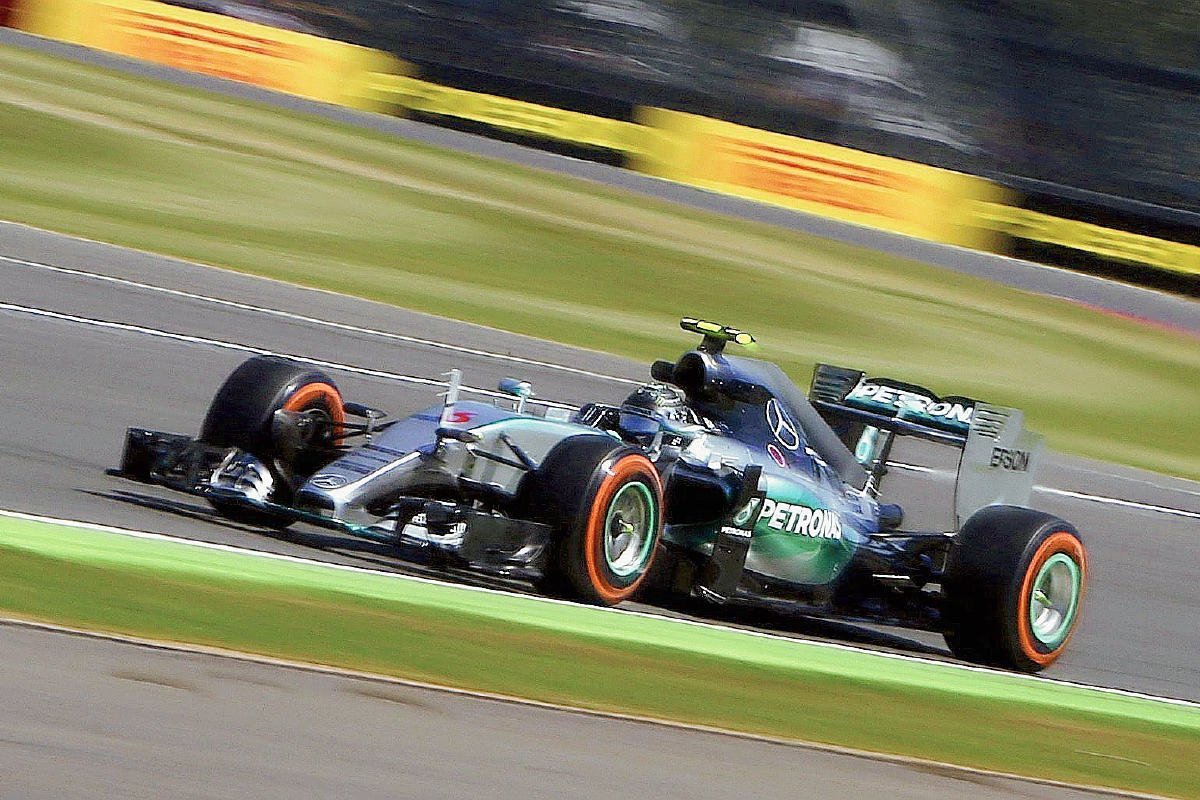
(1057, 239)
(404, 95)
(819, 178)
(212, 44)
(1032, 220)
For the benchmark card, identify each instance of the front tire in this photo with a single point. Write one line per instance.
(605, 501)
(241, 415)
(1015, 580)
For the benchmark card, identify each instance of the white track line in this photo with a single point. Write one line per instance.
(1093, 498)
(293, 317)
(1174, 701)
(126, 327)
(244, 348)
(1113, 501)
(487, 354)
(1129, 479)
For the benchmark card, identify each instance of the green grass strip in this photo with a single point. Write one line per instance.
(227, 182)
(593, 658)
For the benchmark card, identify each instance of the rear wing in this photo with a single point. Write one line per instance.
(998, 456)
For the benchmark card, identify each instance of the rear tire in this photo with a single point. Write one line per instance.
(241, 413)
(1015, 580)
(604, 500)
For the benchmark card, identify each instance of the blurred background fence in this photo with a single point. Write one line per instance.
(1100, 95)
(1065, 129)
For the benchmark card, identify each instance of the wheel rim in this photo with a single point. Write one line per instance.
(1054, 599)
(629, 529)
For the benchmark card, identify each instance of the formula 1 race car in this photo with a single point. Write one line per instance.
(718, 480)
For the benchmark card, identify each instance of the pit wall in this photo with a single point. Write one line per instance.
(1049, 224)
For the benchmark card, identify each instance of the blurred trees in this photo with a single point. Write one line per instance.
(1156, 32)
(1163, 33)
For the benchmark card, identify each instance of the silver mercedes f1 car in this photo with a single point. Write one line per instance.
(718, 481)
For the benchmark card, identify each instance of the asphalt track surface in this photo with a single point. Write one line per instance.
(137, 722)
(73, 382)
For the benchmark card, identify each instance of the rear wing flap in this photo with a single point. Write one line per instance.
(998, 458)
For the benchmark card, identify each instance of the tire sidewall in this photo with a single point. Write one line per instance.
(241, 413)
(614, 474)
(1052, 540)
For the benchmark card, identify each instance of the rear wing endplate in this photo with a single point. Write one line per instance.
(998, 461)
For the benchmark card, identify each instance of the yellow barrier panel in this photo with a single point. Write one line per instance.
(54, 19)
(1109, 243)
(213, 44)
(410, 94)
(819, 178)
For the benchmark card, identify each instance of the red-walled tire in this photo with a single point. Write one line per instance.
(605, 501)
(1014, 585)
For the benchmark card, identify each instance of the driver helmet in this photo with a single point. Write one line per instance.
(652, 407)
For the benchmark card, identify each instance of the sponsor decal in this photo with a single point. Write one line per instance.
(782, 428)
(235, 51)
(824, 179)
(817, 523)
(776, 454)
(513, 115)
(674, 440)
(1013, 460)
(907, 400)
(1109, 243)
(737, 533)
(745, 517)
(328, 480)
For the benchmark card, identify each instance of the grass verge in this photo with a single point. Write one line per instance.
(228, 182)
(593, 658)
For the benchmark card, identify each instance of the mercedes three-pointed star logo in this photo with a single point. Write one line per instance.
(781, 426)
(328, 480)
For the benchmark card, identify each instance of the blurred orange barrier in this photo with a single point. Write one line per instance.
(819, 178)
(213, 44)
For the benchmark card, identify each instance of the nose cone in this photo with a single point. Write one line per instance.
(316, 500)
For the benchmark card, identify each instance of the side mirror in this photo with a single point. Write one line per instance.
(360, 410)
(522, 390)
(372, 415)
